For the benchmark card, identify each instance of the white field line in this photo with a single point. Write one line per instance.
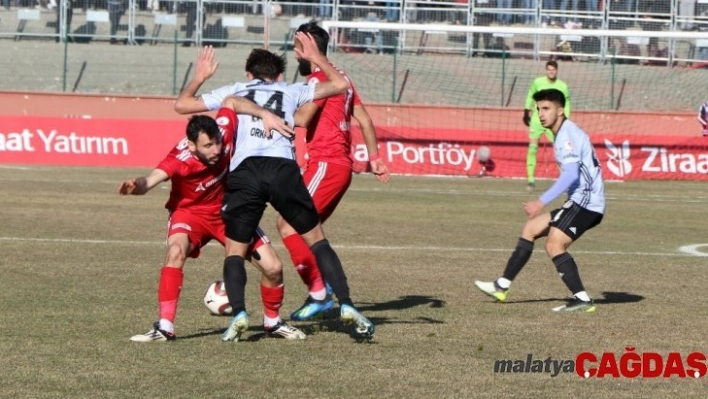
(678, 198)
(689, 250)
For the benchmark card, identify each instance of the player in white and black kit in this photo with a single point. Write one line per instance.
(581, 177)
(264, 170)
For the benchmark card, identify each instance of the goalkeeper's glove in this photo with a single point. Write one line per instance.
(527, 117)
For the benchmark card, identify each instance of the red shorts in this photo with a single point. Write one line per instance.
(202, 228)
(327, 183)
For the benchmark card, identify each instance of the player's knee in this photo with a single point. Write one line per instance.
(314, 236)
(554, 248)
(529, 234)
(176, 255)
(272, 269)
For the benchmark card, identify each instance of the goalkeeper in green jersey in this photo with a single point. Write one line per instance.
(550, 81)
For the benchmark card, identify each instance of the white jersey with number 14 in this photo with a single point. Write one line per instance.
(281, 99)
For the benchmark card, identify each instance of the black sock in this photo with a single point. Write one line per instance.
(518, 259)
(332, 271)
(235, 282)
(568, 270)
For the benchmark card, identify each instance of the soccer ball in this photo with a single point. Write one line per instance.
(215, 299)
(483, 154)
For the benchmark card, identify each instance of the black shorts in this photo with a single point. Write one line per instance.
(574, 220)
(257, 181)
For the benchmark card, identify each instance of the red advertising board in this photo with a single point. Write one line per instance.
(452, 152)
(87, 142)
(142, 143)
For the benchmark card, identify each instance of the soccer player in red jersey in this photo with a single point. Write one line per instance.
(196, 167)
(328, 172)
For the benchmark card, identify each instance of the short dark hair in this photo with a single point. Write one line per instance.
(318, 33)
(263, 64)
(202, 124)
(552, 95)
(552, 63)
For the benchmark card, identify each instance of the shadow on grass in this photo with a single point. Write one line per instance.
(608, 298)
(404, 302)
(257, 333)
(329, 322)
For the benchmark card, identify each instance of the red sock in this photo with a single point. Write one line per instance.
(168, 292)
(304, 262)
(272, 298)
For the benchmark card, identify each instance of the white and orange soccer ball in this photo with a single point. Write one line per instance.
(215, 299)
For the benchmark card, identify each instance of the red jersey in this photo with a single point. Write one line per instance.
(329, 133)
(195, 186)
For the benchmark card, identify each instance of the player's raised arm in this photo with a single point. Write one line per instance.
(141, 185)
(188, 102)
(336, 83)
(271, 121)
(378, 167)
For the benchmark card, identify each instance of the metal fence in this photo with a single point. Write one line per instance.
(155, 40)
(195, 22)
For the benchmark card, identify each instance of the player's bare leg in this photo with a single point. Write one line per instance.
(272, 293)
(170, 286)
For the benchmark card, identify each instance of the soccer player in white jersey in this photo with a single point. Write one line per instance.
(581, 177)
(264, 170)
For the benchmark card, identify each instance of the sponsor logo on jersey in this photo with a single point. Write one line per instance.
(205, 186)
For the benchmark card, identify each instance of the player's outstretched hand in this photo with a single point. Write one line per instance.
(527, 117)
(127, 187)
(274, 122)
(380, 170)
(206, 66)
(309, 50)
(136, 186)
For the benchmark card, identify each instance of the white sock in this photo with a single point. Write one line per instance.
(504, 283)
(318, 295)
(270, 322)
(166, 325)
(583, 296)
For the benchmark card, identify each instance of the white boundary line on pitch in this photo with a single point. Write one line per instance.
(623, 197)
(471, 192)
(684, 251)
